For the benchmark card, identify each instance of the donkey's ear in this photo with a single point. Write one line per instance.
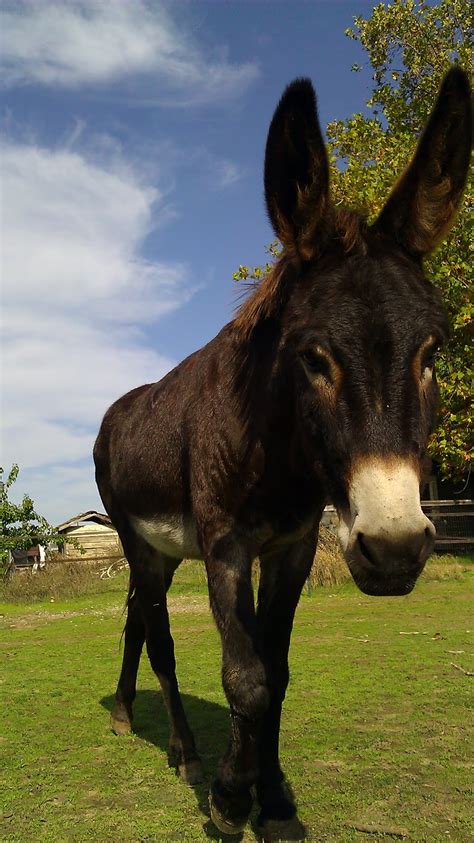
(296, 170)
(422, 206)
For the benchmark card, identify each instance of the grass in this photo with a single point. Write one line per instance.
(375, 732)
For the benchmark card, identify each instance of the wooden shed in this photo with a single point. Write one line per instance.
(94, 532)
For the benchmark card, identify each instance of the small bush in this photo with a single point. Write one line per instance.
(60, 579)
(63, 579)
(439, 568)
(329, 566)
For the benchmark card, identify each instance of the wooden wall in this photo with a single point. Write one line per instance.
(96, 539)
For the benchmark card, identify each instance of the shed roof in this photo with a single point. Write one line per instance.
(90, 515)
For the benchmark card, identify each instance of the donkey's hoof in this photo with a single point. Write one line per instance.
(282, 831)
(120, 720)
(191, 772)
(223, 824)
(188, 769)
(229, 812)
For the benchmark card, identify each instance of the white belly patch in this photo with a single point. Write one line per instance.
(173, 535)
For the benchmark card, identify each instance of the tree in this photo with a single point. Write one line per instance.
(20, 525)
(410, 45)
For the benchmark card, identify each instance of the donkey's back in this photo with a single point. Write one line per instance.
(159, 436)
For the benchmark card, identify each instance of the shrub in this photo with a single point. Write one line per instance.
(60, 579)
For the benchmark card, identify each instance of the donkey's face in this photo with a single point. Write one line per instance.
(362, 338)
(362, 325)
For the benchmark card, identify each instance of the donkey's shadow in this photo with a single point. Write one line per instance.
(210, 724)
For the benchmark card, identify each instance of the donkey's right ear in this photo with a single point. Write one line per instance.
(423, 204)
(296, 171)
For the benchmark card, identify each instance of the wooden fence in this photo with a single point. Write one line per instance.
(454, 522)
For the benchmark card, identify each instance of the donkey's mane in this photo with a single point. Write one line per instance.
(267, 296)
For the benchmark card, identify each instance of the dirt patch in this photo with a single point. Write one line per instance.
(195, 604)
(32, 620)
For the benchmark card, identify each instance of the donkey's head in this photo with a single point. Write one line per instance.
(361, 326)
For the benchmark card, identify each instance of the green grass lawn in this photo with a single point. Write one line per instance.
(375, 731)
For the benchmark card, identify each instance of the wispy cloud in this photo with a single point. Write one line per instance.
(72, 232)
(91, 42)
(227, 173)
(60, 491)
(76, 291)
(207, 166)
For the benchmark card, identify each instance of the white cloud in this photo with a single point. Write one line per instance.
(59, 377)
(69, 490)
(91, 42)
(227, 173)
(196, 162)
(76, 290)
(82, 225)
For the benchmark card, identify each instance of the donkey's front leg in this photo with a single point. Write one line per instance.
(244, 680)
(282, 577)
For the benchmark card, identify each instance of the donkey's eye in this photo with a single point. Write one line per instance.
(429, 358)
(316, 363)
(426, 357)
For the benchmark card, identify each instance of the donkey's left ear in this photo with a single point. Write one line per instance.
(422, 206)
(297, 171)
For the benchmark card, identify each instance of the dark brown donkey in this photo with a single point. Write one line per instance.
(321, 389)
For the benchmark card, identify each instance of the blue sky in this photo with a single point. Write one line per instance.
(133, 136)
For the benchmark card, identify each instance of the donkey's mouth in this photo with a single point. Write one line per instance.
(377, 585)
(390, 574)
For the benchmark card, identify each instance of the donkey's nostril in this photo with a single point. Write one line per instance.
(365, 549)
(415, 545)
(401, 552)
(428, 544)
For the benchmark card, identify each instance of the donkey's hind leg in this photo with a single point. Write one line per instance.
(152, 578)
(134, 635)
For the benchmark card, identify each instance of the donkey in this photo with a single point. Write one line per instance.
(321, 389)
